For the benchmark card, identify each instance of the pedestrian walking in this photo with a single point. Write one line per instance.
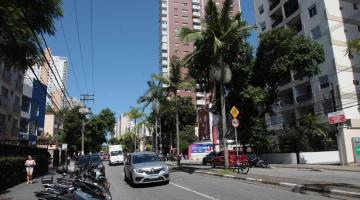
(30, 164)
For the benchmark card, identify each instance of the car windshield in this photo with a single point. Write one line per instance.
(143, 158)
(115, 153)
(85, 160)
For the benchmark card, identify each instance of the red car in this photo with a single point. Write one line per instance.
(219, 159)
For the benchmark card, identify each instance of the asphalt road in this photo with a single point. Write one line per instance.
(193, 186)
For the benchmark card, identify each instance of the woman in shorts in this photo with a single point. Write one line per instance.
(29, 163)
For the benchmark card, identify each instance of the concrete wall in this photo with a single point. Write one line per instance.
(280, 158)
(319, 157)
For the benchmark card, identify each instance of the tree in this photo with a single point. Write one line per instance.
(96, 128)
(20, 24)
(353, 46)
(281, 51)
(315, 130)
(210, 63)
(135, 114)
(154, 96)
(174, 83)
(127, 140)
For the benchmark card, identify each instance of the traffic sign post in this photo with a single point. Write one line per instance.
(235, 123)
(234, 112)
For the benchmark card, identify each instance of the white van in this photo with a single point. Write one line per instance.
(116, 155)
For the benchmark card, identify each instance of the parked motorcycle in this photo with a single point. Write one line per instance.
(256, 162)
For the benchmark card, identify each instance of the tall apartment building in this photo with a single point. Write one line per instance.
(331, 23)
(55, 82)
(174, 15)
(10, 101)
(126, 124)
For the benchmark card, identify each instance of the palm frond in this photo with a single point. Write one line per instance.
(225, 13)
(353, 47)
(187, 35)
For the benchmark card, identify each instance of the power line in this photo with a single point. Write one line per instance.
(70, 58)
(57, 71)
(80, 46)
(92, 46)
(45, 90)
(43, 54)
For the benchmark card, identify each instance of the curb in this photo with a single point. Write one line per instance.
(315, 168)
(292, 186)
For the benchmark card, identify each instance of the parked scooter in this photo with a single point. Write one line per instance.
(256, 162)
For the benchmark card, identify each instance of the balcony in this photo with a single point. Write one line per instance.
(200, 102)
(4, 102)
(295, 24)
(196, 2)
(196, 14)
(303, 98)
(273, 4)
(276, 18)
(290, 7)
(276, 22)
(197, 28)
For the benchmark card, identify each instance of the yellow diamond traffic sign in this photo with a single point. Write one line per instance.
(234, 112)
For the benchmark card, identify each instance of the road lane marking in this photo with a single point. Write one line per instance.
(196, 192)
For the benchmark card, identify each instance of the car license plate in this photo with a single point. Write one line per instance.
(153, 177)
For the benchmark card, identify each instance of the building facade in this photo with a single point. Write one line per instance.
(332, 24)
(11, 87)
(174, 15)
(126, 124)
(55, 80)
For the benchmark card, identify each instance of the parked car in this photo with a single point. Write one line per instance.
(90, 159)
(104, 156)
(219, 160)
(207, 159)
(145, 167)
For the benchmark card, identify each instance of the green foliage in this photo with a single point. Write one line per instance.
(13, 170)
(148, 147)
(96, 128)
(20, 23)
(187, 136)
(260, 138)
(310, 135)
(353, 47)
(127, 140)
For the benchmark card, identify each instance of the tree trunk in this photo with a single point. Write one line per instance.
(156, 134)
(135, 136)
(223, 118)
(177, 131)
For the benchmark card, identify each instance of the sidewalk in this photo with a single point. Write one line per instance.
(349, 168)
(25, 191)
(305, 181)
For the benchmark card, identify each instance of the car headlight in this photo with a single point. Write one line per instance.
(139, 170)
(165, 168)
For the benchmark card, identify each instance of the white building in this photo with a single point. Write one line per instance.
(331, 23)
(126, 124)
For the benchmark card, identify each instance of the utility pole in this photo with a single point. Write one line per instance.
(338, 134)
(84, 111)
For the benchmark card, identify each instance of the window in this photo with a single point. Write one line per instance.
(4, 92)
(324, 81)
(184, 10)
(177, 44)
(263, 26)
(316, 33)
(186, 52)
(312, 10)
(261, 9)
(184, 4)
(176, 51)
(359, 28)
(176, 16)
(355, 6)
(185, 23)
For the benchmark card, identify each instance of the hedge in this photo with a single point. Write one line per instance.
(13, 170)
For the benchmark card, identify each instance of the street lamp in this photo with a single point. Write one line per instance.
(84, 112)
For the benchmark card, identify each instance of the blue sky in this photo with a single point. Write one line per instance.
(126, 49)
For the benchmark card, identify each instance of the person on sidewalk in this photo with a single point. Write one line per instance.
(30, 164)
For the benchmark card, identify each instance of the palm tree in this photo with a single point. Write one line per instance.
(353, 46)
(312, 127)
(155, 95)
(135, 114)
(214, 49)
(172, 84)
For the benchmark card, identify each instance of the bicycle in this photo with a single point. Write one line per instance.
(242, 166)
